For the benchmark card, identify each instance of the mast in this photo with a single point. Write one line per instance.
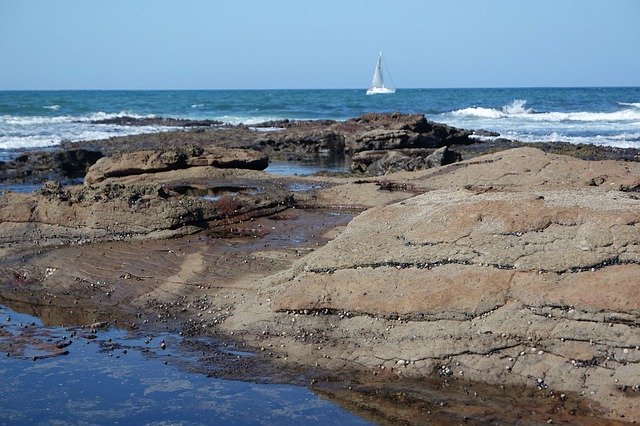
(378, 80)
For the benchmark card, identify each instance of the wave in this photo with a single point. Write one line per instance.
(232, 119)
(75, 134)
(197, 105)
(51, 107)
(58, 119)
(621, 140)
(631, 104)
(517, 109)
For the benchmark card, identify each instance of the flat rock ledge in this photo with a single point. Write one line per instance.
(155, 161)
(489, 276)
(137, 206)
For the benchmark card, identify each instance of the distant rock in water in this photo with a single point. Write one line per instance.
(375, 131)
(157, 121)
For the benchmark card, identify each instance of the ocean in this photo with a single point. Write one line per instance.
(601, 116)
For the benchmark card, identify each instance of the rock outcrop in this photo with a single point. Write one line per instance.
(141, 162)
(37, 167)
(383, 161)
(157, 205)
(376, 131)
(517, 268)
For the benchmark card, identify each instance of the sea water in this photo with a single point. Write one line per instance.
(601, 116)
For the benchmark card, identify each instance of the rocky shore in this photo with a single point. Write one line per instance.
(483, 269)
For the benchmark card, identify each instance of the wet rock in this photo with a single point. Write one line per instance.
(34, 167)
(302, 141)
(157, 121)
(394, 131)
(485, 133)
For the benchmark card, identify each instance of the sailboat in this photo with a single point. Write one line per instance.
(377, 84)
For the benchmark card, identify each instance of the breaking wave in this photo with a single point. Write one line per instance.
(517, 109)
(17, 132)
(631, 104)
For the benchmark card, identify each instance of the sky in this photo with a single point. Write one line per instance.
(297, 44)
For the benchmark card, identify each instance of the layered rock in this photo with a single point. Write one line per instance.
(151, 161)
(516, 268)
(172, 203)
(376, 131)
(384, 161)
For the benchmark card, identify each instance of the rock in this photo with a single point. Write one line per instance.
(36, 167)
(369, 132)
(385, 161)
(172, 203)
(74, 163)
(141, 162)
(302, 141)
(440, 157)
(393, 161)
(229, 158)
(506, 254)
(485, 133)
(157, 121)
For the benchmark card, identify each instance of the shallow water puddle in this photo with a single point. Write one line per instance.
(59, 375)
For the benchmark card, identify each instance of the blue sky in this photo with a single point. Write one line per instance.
(241, 44)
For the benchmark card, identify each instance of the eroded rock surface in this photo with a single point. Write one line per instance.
(150, 161)
(515, 268)
(178, 204)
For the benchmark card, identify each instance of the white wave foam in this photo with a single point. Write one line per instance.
(231, 119)
(197, 105)
(623, 140)
(516, 109)
(12, 142)
(631, 104)
(479, 112)
(267, 129)
(74, 133)
(51, 107)
(39, 120)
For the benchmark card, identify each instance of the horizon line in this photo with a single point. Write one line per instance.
(328, 89)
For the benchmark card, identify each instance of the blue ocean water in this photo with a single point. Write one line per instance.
(602, 116)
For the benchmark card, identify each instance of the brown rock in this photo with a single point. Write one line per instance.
(142, 162)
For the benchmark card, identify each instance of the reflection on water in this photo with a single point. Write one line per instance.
(20, 188)
(332, 163)
(78, 375)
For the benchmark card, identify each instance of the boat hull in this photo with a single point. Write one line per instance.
(380, 91)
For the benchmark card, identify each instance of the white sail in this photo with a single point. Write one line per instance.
(377, 83)
(378, 79)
